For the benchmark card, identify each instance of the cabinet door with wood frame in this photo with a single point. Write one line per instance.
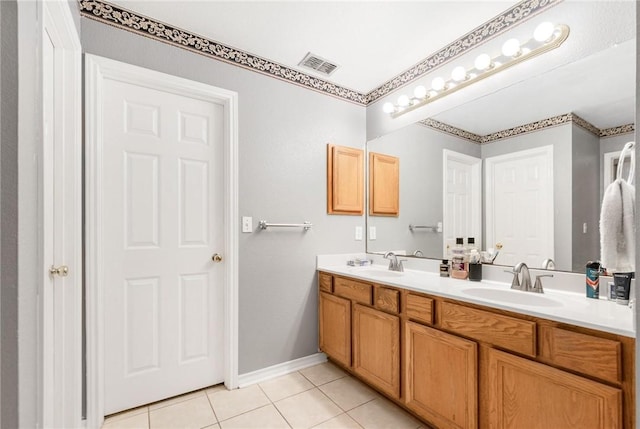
(440, 377)
(384, 185)
(376, 348)
(335, 327)
(527, 394)
(345, 180)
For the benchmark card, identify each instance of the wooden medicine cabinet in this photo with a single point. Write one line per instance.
(384, 185)
(345, 180)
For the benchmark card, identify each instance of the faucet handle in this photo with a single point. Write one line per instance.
(400, 266)
(537, 287)
(515, 283)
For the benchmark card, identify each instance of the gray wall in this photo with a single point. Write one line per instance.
(560, 138)
(283, 132)
(9, 214)
(585, 204)
(420, 151)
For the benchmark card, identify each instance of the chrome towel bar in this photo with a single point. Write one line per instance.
(434, 228)
(263, 224)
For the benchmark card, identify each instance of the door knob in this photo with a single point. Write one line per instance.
(61, 271)
(216, 257)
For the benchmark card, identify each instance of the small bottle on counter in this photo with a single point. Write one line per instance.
(458, 263)
(444, 268)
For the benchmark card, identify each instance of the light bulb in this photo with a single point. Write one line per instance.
(459, 74)
(420, 92)
(511, 48)
(543, 31)
(482, 62)
(438, 84)
(403, 101)
(388, 107)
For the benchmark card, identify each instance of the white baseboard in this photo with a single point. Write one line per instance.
(270, 372)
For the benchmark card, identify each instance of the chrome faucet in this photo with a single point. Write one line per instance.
(548, 264)
(525, 283)
(394, 263)
(418, 253)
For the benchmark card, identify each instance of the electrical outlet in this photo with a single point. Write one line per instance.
(372, 233)
(358, 233)
(247, 224)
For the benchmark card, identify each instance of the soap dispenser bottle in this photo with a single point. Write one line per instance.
(458, 266)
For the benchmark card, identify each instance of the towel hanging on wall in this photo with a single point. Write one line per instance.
(617, 219)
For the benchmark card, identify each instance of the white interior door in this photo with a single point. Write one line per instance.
(519, 205)
(163, 196)
(462, 205)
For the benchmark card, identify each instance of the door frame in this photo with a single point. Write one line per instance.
(476, 172)
(97, 70)
(60, 385)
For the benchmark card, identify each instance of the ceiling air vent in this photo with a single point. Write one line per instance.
(319, 64)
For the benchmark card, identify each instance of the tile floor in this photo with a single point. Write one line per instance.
(320, 396)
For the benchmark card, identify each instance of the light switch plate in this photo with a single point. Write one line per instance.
(372, 233)
(358, 233)
(247, 224)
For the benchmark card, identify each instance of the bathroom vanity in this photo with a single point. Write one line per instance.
(461, 354)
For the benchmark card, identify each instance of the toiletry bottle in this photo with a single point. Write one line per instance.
(458, 268)
(444, 268)
(593, 270)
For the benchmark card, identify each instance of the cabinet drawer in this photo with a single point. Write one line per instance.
(326, 282)
(594, 356)
(420, 308)
(357, 291)
(503, 331)
(386, 299)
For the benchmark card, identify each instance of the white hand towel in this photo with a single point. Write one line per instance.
(617, 217)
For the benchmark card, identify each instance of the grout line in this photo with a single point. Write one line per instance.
(212, 409)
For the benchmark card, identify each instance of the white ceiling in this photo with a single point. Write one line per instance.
(371, 41)
(374, 41)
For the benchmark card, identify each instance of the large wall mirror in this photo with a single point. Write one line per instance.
(525, 166)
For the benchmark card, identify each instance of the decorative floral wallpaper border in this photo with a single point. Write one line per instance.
(125, 19)
(122, 18)
(528, 128)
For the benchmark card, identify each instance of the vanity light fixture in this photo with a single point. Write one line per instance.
(546, 37)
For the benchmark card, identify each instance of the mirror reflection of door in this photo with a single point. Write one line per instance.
(519, 205)
(462, 205)
(611, 160)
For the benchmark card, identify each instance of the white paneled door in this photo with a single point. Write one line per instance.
(462, 205)
(162, 225)
(519, 205)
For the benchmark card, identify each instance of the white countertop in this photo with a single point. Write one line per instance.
(561, 306)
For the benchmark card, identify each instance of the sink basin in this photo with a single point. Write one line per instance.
(513, 297)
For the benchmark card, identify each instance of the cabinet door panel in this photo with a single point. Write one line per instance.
(440, 376)
(335, 327)
(526, 394)
(376, 348)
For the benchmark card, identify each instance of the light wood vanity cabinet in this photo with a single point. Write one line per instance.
(440, 376)
(376, 348)
(460, 365)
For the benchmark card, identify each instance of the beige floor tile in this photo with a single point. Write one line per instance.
(263, 418)
(215, 388)
(285, 386)
(126, 414)
(216, 426)
(343, 421)
(176, 400)
(348, 392)
(194, 413)
(135, 421)
(323, 373)
(307, 409)
(382, 414)
(230, 403)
